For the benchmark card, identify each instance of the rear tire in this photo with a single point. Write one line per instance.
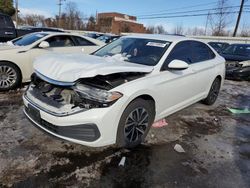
(135, 123)
(213, 92)
(10, 76)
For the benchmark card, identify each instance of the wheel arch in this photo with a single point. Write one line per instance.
(220, 78)
(148, 98)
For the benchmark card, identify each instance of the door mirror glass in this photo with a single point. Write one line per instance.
(44, 44)
(178, 65)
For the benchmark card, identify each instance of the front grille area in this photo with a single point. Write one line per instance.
(85, 132)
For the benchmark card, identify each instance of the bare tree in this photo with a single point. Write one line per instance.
(32, 20)
(72, 18)
(50, 22)
(91, 25)
(219, 20)
(196, 31)
(150, 29)
(178, 30)
(245, 30)
(159, 29)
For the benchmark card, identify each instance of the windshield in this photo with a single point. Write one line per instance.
(28, 39)
(238, 50)
(135, 50)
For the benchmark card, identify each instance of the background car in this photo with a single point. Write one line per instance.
(241, 71)
(16, 56)
(9, 32)
(237, 52)
(219, 46)
(108, 38)
(94, 35)
(115, 94)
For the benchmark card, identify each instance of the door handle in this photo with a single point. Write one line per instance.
(8, 33)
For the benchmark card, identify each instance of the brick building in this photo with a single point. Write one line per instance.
(117, 23)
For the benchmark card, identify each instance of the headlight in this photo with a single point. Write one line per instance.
(96, 94)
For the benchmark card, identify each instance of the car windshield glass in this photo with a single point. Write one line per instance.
(135, 50)
(28, 39)
(238, 50)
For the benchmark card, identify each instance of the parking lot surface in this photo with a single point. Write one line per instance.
(216, 144)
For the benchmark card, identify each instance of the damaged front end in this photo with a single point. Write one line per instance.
(240, 71)
(63, 99)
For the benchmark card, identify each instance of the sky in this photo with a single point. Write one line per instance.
(49, 8)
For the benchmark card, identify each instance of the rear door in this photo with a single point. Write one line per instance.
(62, 44)
(7, 29)
(85, 45)
(203, 65)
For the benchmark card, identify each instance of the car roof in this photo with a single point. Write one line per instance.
(236, 44)
(170, 38)
(217, 42)
(56, 33)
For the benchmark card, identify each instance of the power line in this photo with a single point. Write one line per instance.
(190, 11)
(185, 7)
(193, 15)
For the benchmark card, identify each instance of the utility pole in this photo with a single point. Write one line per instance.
(208, 15)
(17, 13)
(238, 19)
(59, 14)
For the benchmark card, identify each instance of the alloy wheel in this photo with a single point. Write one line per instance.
(136, 124)
(8, 76)
(215, 90)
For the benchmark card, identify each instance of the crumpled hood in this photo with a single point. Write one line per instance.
(71, 67)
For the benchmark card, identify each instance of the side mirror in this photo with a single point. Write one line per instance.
(44, 44)
(178, 65)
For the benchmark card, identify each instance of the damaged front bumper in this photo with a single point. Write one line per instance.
(239, 72)
(94, 127)
(84, 132)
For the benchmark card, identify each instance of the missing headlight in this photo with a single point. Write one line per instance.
(90, 97)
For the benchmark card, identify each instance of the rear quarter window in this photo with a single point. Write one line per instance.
(83, 42)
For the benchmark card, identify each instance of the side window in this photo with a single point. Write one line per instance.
(83, 42)
(60, 41)
(242, 51)
(181, 51)
(5, 22)
(201, 52)
(2, 21)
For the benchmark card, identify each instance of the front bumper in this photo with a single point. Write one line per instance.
(237, 74)
(85, 132)
(95, 127)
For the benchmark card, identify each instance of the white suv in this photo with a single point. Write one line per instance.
(114, 95)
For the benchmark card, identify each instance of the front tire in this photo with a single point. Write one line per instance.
(10, 76)
(135, 123)
(213, 92)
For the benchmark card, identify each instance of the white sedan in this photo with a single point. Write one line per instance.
(16, 56)
(114, 95)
